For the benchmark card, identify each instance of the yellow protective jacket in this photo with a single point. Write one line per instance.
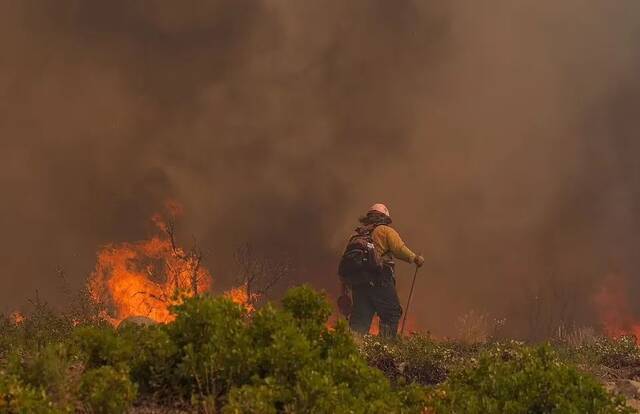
(388, 243)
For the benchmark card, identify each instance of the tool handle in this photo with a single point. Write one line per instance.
(406, 310)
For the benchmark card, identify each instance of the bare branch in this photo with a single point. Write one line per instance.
(257, 273)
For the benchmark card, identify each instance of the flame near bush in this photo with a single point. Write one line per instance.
(614, 308)
(147, 277)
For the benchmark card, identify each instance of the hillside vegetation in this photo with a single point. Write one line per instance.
(216, 357)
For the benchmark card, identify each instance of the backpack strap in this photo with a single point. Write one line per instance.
(366, 230)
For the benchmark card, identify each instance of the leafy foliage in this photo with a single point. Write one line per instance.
(47, 369)
(101, 345)
(43, 326)
(213, 346)
(218, 357)
(106, 390)
(18, 397)
(309, 310)
(517, 379)
(416, 359)
(153, 360)
(278, 359)
(616, 353)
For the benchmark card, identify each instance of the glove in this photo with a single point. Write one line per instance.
(419, 260)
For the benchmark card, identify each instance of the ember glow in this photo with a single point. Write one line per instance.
(147, 277)
(16, 318)
(374, 329)
(241, 296)
(614, 310)
(409, 329)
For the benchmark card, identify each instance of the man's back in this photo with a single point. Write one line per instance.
(388, 242)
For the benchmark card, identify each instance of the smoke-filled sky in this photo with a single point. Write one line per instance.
(502, 135)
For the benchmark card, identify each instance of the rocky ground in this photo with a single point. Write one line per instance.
(625, 382)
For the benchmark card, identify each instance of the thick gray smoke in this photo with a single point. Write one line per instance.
(501, 134)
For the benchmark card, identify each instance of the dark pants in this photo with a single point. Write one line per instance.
(380, 298)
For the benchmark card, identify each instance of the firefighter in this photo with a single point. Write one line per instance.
(368, 275)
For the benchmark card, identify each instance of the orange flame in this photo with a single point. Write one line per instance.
(17, 318)
(241, 296)
(409, 329)
(411, 326)
(146, 278)
(374, 328)
(612, 303)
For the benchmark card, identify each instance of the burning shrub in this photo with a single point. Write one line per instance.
(147, 277)
(106, 390)
(518, 379)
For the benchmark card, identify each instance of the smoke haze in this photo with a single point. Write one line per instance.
(502, 135)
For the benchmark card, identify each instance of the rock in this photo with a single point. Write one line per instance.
(137, 320)
(628, 388)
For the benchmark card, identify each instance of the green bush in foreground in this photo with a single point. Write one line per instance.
(517, 379)
(18, 397)
(616, 353)
(222, 359)
(278, 360)
(106, 390)
(416, 359)
(152, 364)
(101, 345)
(47, 369)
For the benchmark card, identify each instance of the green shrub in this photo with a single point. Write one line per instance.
(41, 327)
(321, 373)
(106, 390)
(416, 359)
(101, 345)
(153, 360)
(281, 350)
(9, 335)
(617, 353)
(277, 360)
(18, 397)
(47, 369)
(517, 379)
(329, 378)
(255, 399)
(214, 350)
(309, 309)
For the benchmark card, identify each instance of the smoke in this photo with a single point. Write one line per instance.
(501, 136)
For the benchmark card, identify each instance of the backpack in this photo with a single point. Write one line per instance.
(360, 262)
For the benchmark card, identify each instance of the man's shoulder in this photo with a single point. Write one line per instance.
(384, 229)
